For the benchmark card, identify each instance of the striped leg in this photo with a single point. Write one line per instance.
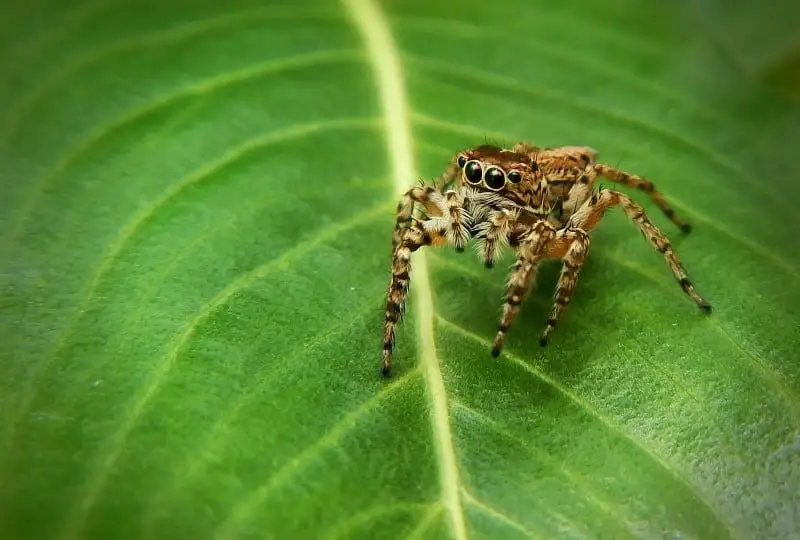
(645, 185)
(531, 252)
(578, 247)
(405, 210)
(411, 240)
(443, 211)
(454, 223)
(592, 211)
(449, 175)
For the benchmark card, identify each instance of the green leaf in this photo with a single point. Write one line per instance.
(197, 205)
(763, 40)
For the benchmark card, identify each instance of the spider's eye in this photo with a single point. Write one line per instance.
(473, 172)
(514, 177)
(495, 178)
(462, 161)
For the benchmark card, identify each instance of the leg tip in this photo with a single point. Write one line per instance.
(459, 249)
(496, 351)
(543, 341)
(488, 265)
(386, 372)
(686, 228)
(706, 307)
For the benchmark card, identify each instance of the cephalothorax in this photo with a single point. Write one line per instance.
(541, 202)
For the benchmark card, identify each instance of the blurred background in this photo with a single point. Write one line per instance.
(196, 205)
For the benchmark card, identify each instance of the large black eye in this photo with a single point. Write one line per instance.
(495, 178)
(462, 160)
(473, 172)
(514, 177)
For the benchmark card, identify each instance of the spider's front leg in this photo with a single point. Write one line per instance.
(411, 239)
(532, 248)
(444, 212)
(444, 221)
(448, 176)
(572, 245)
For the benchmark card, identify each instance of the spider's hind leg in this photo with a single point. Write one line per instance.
(638, 182)
(592, 211)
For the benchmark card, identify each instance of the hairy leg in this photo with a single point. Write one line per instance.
(454, 223)
(411, 240)
(448, 176)
(645, 185)
(588, 216)
(576, 243)
(443, 212)
(493, 234)
(405, 210)
(531, 251)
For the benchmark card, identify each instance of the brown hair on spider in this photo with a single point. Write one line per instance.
(495, 169)
(543, 203)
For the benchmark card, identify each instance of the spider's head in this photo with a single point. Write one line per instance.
(495, 169)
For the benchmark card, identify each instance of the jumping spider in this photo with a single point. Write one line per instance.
(541, 202)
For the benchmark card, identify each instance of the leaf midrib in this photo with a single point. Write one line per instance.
(385, 62)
